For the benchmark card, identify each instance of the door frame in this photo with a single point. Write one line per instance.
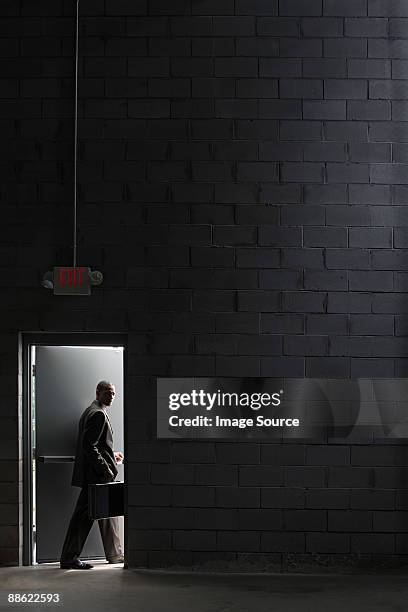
(27, 340)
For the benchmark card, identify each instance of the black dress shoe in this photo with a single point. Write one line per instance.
(77, 564)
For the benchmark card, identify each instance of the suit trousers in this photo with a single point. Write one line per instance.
(79, 528)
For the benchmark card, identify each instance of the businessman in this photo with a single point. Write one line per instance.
(95, 462)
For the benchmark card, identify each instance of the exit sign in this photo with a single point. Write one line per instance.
(72, 281)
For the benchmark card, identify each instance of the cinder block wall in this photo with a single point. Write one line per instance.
(243, 171)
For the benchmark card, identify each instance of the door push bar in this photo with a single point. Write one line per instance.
(55, 458)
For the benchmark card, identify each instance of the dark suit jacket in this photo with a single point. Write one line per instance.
(94, 459)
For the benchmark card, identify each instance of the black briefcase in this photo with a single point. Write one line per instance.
(106, 500)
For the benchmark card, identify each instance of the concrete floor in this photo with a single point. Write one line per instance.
(114, 589)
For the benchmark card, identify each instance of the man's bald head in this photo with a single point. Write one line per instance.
(102, 384)
(105, 392)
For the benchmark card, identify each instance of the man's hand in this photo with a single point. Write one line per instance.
(118, 456)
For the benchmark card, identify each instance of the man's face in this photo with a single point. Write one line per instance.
(106, 395)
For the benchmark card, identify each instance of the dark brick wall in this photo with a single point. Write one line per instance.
(243, 187)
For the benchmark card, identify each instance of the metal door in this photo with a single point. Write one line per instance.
(64, 382)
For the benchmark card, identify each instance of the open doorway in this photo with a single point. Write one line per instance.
(61, 381)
